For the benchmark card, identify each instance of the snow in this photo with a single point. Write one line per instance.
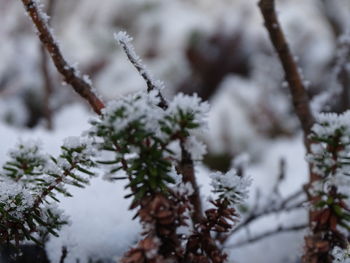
(192, 105)
(196, 148)
(8, 192)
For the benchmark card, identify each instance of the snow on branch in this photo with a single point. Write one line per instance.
(71, 75)
(124, 41)
(30, 179)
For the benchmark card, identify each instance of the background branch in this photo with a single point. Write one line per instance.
(47, 80)
(72, 77)
(268, 209)
(278, 230)
(299, 95)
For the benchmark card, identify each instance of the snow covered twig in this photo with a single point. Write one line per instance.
(124, 41)
(70, 74)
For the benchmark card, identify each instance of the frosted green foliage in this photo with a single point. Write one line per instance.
(230, 186)
(330, 152)
(30, 177)
(21, 219)
(330, 159)
(184, 115)
(139, 132)
(27, 162)
(190, 107)
(15, 199)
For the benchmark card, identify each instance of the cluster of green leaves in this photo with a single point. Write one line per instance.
(330, 159)
(141, 134)
(230, 187)
(28, 179)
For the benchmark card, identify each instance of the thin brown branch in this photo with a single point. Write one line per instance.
(71, 76)
(47, 80)
(125, 42)
(342, 71)
(299, 95)
(301, 103)
(186, 168)
(64, 254)
(40, 198)
(278, 230)
(48, 88)
(286, 204)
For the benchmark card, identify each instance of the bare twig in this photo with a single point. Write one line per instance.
(186, 167)
(342, 70)
(287, 204)
(278, 230)
(281, 176)
(64, 254)
(48, 88)
(296, 86)
(125, 41)
(81, 86)
(282, 207)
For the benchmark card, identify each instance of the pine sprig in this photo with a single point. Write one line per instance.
(29, 178)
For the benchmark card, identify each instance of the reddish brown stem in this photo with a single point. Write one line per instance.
(39, 199)
(186, 168)
(69, 73)
(48, 88)
(299, 95)
(47, 80)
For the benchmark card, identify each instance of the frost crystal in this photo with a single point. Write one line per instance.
(191, 105)
(28, 150)
(196, 148)
(125, 41)
(81, 150)
(14, 198)
(139, 107)
(230, 186)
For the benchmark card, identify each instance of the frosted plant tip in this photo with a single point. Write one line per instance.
(122, 37)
